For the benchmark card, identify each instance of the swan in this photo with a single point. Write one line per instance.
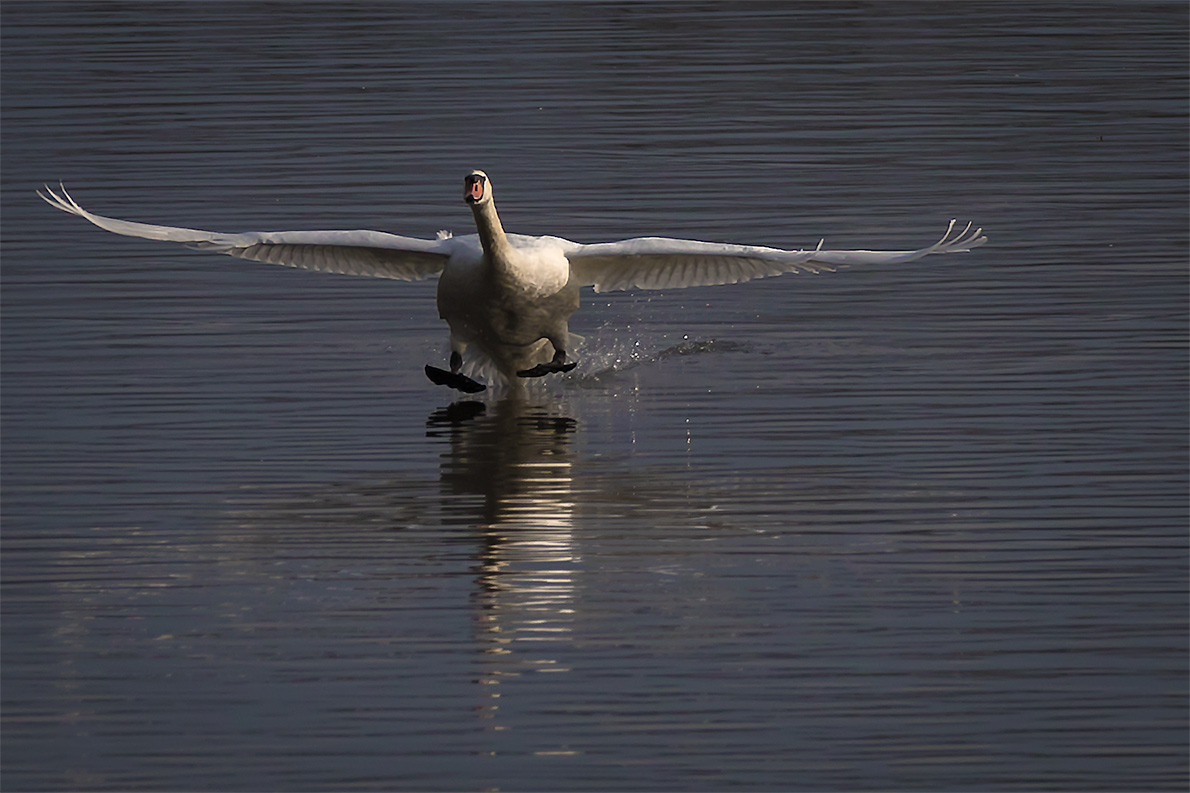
(507, 298)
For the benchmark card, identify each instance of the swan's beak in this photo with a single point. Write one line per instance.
(474, 187)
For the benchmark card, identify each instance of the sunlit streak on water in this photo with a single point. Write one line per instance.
(516, 457)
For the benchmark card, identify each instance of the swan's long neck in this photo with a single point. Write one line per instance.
(496, 246)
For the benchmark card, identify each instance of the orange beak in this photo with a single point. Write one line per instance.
(473, 188)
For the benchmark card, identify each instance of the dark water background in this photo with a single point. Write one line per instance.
(919, 527)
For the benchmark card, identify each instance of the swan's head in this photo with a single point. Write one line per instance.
(476, 188)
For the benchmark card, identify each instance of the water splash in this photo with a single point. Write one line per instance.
(602, 364)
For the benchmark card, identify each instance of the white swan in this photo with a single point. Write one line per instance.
(509, 296)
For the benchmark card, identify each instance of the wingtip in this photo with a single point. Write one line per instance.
(964, 241)
(63, 202)
(52, 198)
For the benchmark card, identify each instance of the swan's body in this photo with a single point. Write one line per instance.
(508, 296)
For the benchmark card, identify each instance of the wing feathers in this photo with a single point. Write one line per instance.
(345, 260)
(641, 263)
(366, 253)
(660, 263)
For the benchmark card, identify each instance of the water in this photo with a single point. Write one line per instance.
(915, 527)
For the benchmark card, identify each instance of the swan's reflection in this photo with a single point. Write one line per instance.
(516, 457)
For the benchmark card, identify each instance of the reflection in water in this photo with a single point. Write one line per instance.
(517, 459)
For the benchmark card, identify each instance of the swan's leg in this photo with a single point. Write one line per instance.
(454, 378)
(558, 364)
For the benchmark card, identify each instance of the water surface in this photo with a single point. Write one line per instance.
(917, 527)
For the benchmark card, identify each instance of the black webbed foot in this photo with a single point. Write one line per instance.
(455, 380)
(542, 369)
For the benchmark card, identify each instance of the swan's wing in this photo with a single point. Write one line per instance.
(370, 253)
(658, 263)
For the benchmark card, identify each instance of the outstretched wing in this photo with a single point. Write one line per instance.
(659, 263)
(368, 253)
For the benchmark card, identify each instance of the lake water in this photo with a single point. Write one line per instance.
(914, 527)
